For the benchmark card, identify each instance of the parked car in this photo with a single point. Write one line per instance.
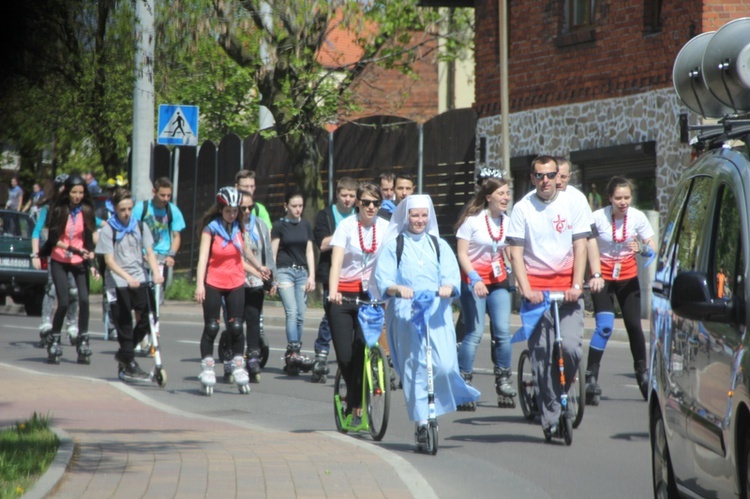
(18, 278)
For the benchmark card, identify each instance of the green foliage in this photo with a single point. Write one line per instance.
(26, 451)
(181, 289)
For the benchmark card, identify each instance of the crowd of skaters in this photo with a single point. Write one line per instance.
(377, 240)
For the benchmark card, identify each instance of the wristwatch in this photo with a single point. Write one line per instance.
(597, 276)
(34, 255)
(577, 286)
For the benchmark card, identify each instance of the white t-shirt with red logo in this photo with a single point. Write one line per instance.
(485, 254)
(616, 255)
(357, 265)
(548, 231)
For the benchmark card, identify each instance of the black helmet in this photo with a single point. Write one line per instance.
(229, 196)
(73, 180)
(60, 180)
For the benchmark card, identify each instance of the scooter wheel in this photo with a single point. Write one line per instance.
(567, 428)
(161, 377)
(432, 439)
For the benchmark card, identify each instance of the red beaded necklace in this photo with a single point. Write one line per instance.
(374, 244)
(489, 228)
(624, 228)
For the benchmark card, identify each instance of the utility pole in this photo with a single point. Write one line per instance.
(143, 100)
(504, 99)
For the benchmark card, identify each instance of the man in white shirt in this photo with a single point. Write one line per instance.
(547, 237)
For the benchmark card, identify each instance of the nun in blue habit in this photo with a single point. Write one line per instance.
(417, 278)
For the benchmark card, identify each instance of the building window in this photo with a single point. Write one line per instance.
(652, 16)
(580, 14)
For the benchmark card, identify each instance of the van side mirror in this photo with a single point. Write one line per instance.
(691, 299)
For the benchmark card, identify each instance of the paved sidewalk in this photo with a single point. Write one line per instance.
(173, 454)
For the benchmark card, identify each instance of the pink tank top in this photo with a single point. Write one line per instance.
(72, 236)
(225, 269)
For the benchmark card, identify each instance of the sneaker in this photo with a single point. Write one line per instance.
(356, 421)
(134, 371)
(421, 434)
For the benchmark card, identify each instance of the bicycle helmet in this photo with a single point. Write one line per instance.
(229, 196)
(488, 172)
(74, 180)
(60, 180)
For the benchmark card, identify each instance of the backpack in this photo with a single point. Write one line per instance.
(144, 212)
(400, 247)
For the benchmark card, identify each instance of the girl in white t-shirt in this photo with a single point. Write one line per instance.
(355, 244)
(480, 240)
(623, 232)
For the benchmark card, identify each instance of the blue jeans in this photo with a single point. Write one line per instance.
(497, 303)
(291, 289)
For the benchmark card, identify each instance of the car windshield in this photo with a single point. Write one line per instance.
(15, 225)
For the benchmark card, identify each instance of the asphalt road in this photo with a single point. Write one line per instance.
(492, 452)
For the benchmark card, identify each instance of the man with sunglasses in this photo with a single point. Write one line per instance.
(325, 225)
(547, 238)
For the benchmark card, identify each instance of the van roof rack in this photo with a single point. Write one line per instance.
(714, 136)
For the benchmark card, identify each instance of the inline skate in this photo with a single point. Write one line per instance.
(225, 356)
(469, 406)
(295, 361)
(506, 394)
(239, 374)
(207, 376)
(54, 350)
(83, 349)
(45, 332)
(253, 365)
(320, 369)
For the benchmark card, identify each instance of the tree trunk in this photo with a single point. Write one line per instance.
(306, 158)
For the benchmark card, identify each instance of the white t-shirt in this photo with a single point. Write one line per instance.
(548, 231)
(612, 253)
(483, 249)
(357, 265)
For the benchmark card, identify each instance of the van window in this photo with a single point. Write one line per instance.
(689, 237)
(727, 261)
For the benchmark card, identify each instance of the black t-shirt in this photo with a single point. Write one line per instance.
(293, 239)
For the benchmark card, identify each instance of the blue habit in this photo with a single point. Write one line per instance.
(419, 270)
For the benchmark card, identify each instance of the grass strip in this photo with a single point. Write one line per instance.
(26, 451)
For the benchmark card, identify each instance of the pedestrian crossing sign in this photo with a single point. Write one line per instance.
(178, 125)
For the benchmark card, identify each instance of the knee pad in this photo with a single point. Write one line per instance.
(235, 327)
(211, 328)
(605, 322)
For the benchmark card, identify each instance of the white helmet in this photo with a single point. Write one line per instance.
(229, 196)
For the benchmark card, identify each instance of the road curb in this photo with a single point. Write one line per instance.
(47, 482)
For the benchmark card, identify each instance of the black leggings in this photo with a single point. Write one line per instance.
(349, 344)
(235, 303)
(129, 299)
(59, 272)
(628, 294)
(253, 308)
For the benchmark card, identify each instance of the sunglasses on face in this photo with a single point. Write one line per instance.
(549, 175)
(247, 208)
(368, 202)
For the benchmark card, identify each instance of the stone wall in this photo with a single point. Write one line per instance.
(649, 116)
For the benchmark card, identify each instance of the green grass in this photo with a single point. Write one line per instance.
(182, 288)
(26, 451)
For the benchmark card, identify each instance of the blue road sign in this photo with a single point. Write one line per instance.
(178, 125)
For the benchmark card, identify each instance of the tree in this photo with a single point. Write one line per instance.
(299, 92)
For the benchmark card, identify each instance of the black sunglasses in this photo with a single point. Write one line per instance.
(368, 202)
(549, 175)
(248, 208)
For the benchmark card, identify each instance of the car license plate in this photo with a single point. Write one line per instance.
(14, 262)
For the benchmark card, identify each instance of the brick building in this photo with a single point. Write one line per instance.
(592, 80)
(435, 87)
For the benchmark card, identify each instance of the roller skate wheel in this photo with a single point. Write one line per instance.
(208, 390)
(244, 389)
(292, 370)
(53, 360)
(323, 379)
